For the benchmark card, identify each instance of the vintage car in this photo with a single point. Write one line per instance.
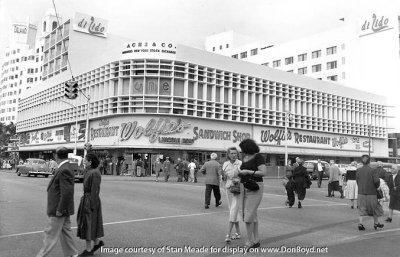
(309, 165)
(77, 164)
(34, 167)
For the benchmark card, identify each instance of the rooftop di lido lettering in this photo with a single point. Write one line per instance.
(375, 25)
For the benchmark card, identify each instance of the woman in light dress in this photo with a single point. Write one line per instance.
(230, 173)
(350, 183)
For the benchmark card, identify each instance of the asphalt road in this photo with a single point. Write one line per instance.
(142, 215)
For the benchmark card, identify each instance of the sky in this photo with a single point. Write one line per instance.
(188, 22)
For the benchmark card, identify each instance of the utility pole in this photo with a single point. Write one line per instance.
(369, 141)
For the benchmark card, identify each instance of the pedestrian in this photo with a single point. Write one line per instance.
(212, 171)
(196, 170)
(166, 168)
(383, 176)
(230, 170)
(319, 169)
(139, 167)
(333, 181)
(157, 168)
(179, 169)
(288, 183)
(60, 206)
(53, 166)
(367, 201)
(90, 217)
(192, 167)
(186, 170)
(251, 174)
(394, 187)
(351, 188)
(134, 164)
(301, 181)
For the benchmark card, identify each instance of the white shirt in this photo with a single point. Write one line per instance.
(320, 167)
(192, 165)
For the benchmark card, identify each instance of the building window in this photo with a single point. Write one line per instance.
(243, 55)
(302, 71)
(213, 48)
(235, 56)
(316, 68)
(288, 60)
(227, 45)
(333, 78)
(220, 47)
(266, 64)
(331, 50)
(331, 65)
(291, 71)
(253, 51)
(54, 26)
(302, 57)
(44, 26)
(316, 54)
(276, 63)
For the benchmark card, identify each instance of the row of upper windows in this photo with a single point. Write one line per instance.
(13, 109)
(7, 118)
(13, 101)
(220, 47)
(244, 54)
(9, 93)
(13, 52)
(315, 68)
(23, 59)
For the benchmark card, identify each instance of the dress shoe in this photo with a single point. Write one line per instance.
(299, 205)
(207, 207)
(361, 227)
(378, 225)
(388, 220)
(218, 204)
(98, 246)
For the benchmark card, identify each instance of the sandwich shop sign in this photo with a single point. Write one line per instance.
(90, 25)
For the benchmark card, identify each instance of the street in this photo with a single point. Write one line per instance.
(146, 218)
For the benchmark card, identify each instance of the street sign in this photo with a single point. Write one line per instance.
(71, 90)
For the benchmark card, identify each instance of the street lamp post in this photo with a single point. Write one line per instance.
(76, 123)
(369, 141)
(87, 125)
(287, 118)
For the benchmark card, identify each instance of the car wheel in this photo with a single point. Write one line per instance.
(35, 175)
(46, 176)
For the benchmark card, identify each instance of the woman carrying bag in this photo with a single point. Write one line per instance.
(232, 187)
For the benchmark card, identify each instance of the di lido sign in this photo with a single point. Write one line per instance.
(375, 24)
(90, 25)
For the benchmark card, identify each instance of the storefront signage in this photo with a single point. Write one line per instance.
(234, 136)
(176, 140)
(375, 25)
(150, 49)
(63, 134)
(90, 25)
(153, 129)
(297, 138)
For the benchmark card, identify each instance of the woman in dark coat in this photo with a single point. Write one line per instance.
(394, 187)
(89, 217)
(300, 179)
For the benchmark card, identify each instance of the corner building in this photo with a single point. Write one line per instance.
(158, 99)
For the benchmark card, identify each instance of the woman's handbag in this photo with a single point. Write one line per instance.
(251, 184)
(235, 188)
(379, 193)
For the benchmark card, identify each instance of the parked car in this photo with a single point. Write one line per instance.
(310, 168)
(34, 167)
(77, 164)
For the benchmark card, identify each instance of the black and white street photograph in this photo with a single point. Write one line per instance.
(208, 128)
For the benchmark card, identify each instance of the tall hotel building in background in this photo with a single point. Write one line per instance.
(22, 65)
(158, 99)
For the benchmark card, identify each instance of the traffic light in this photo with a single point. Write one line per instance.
(71, 90)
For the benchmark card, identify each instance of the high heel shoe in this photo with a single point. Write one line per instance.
(228, 239)
(379, 225)
(361, 227)
(388, 220)
(299, 205)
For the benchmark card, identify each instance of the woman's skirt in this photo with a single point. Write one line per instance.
(394, 202)
(251, 202)
(233, 204)
(368, 205)
(351, 190)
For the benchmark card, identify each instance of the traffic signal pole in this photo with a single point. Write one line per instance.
(87, 126)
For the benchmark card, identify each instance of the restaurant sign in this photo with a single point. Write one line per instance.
(297, 138)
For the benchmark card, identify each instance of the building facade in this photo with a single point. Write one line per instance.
(158, 99)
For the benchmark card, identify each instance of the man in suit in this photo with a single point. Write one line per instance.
(166, 168)
(333, 181)
(60, 206)
(212, 170)
(319, 169)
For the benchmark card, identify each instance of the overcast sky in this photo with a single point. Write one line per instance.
(190, 21)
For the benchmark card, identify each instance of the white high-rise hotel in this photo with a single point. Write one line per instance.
(22, 65)
(362, 53)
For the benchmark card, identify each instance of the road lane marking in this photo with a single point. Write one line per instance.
(171, 217)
